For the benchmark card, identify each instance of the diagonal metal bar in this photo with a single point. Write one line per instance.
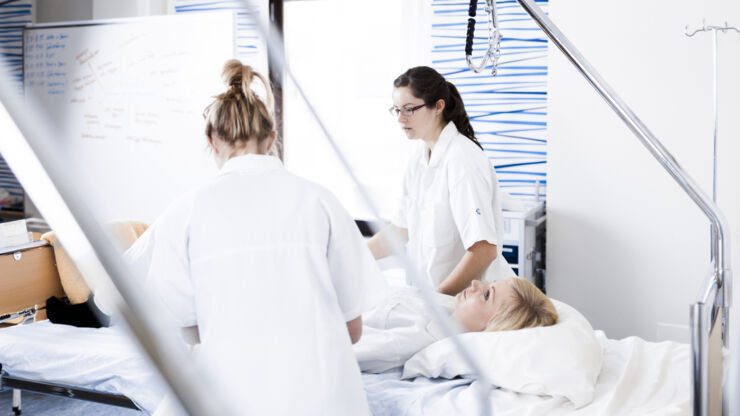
(56, 187)
(721, 278)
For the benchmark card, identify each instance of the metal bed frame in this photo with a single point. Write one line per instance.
(18, 384)
(62, 390)
(709, 315)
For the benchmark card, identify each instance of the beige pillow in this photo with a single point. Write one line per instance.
(126, 232)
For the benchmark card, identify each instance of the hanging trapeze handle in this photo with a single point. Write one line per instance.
(494, 38)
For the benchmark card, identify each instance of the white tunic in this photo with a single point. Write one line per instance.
(449, 203)
(398, 328)
(270, 267)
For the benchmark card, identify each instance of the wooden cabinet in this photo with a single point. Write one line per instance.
(28, 276)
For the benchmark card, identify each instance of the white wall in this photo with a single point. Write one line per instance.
(346, 66)
(625, 245)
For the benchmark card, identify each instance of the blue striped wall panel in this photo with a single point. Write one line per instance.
(508, 112)
(14, 15)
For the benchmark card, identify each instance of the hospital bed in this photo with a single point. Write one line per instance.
(565, 369)
(104, 366)
(99, 365)
(94, 364)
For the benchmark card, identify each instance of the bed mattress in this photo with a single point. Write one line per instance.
(104, 359)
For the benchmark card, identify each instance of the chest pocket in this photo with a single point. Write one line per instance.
(438, 227)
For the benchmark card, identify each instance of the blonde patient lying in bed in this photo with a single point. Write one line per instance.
(401, 325)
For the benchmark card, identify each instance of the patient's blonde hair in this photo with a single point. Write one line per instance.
(238, 115)
(528, 308)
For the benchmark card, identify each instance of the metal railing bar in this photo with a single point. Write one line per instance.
(33, 141)
(717, 292)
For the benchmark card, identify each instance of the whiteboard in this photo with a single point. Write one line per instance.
(127, 98)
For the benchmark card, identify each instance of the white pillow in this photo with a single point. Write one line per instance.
(562, 360)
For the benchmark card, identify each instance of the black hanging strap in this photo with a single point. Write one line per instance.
(471, 27)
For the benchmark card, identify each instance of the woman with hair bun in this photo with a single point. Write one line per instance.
(268, 267)
(450, 213)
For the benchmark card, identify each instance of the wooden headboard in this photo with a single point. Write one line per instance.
(28, 276)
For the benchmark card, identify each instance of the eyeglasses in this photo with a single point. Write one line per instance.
(406, 112)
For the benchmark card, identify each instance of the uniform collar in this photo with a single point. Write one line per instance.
(445, 137)
(251, 163)
(435, 328)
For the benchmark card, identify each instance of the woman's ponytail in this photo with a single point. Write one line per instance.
(455, 111)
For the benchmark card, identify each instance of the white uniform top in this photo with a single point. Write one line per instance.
(449, 203)
(398, 328)
(270, 267)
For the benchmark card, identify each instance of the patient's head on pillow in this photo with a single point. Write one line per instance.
(503, 305)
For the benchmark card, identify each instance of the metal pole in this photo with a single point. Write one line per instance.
(715, 106)
(275, 71)
(722, 275)
(702, 317)
(716, 115)
(699, 361)
(44, 163)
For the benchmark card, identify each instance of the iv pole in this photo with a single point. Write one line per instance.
(712, 230)
(715, 104)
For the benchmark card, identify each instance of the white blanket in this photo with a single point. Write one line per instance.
(637, 378)
(104, 359)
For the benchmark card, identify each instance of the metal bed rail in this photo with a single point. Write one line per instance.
(704, 316)
(21, 247)
(717, 293)
(22, 384)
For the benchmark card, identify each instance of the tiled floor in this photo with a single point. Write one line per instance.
(33, 404)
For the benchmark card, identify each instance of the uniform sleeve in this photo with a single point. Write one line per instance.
(471, 196)
(166, 253)
(355, 275)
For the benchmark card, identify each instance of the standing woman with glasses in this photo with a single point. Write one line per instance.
(450, 213)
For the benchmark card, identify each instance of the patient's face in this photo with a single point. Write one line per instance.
(477, 304)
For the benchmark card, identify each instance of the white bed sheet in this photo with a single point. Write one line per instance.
(103, 359)
(637, 378)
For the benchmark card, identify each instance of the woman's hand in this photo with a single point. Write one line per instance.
(354, 327)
